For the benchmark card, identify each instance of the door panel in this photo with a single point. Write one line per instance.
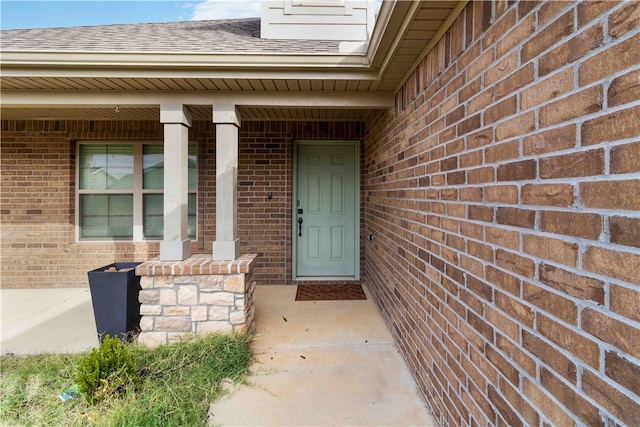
(326, 186)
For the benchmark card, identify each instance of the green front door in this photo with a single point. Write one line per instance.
(325, 209)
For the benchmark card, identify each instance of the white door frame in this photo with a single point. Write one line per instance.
(294, 225)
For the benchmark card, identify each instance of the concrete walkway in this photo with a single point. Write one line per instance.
(325, 363)
(46, 321)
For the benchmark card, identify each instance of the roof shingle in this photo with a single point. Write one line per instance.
(221, 36)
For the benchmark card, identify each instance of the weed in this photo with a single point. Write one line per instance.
(176, 384)
(107, 370)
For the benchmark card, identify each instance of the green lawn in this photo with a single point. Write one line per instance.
(177, 383)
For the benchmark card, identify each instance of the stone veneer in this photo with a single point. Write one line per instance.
(181, 299)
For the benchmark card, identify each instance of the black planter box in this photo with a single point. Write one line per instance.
(114, 295)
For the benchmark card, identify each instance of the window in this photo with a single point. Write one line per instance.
(120, 191)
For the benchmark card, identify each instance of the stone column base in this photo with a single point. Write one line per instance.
(194, 297)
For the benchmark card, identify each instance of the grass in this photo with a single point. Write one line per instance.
(177, 383)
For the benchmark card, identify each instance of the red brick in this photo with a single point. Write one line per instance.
(625, 19)
(610, 61)
(515, 217)
(481, 100)
(517, 171)
(479, 139)
(621, 406)
(514, 308)
(504, 108)
(557, 139)
(557, 30)
(584, 163)
(547, 89)
(580, 104)
(481, 175)
(612, 331)
(612, 127)
(611, 194)
(471, 194)
(510, 372)
(622, 371)
(554, 304)
(515, 81)
(514, 396)
(500, 152)
(480, 213)
(625, 302)
(572, 284)
(499, 28)
(544, 403)
(516, 353)
(624, 89)
(619, 265)
(516, 263)
(551, 249)
(506, 412)
(503, 280)
(519, 125)
(571, 399)
(502, 237)
(504, 194)
(549, 355)
(502, 323)
(517, 33)
(582, 347)
(549, 10)
(498, 71)
(470, 159)
(588, 10)
(625, 158)
(625, 230)
(480, 250)
(585, 225)
(571, 51)
(548, 194)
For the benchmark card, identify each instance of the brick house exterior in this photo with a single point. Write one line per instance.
(501, 189)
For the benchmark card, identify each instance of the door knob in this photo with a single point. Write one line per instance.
(300, 220)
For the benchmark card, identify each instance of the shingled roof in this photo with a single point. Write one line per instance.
(221, 36)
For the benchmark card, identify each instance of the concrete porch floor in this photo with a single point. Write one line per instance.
(324, 363)
(330, 363)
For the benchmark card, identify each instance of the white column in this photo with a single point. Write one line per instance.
(227, 245)
(175, 245)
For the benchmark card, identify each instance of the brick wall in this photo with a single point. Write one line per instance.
(38, 195)
(504, 195)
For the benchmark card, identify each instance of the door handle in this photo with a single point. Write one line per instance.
(300, 220)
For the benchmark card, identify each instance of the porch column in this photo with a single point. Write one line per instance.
(227, 245)
(175, 245)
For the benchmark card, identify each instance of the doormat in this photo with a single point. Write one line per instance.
(338, 292)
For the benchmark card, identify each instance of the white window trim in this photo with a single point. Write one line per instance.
(137, 191)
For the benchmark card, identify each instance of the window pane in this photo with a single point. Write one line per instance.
(104, 216)
(193, 166)
(192, 216)
(105, 167)
(152, 167)
(153, 219)
(93, 160)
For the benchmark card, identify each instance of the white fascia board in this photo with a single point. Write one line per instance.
(282, 73)
(208, 61)
(366, 100)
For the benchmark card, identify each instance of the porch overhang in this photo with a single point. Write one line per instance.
(396, 45)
